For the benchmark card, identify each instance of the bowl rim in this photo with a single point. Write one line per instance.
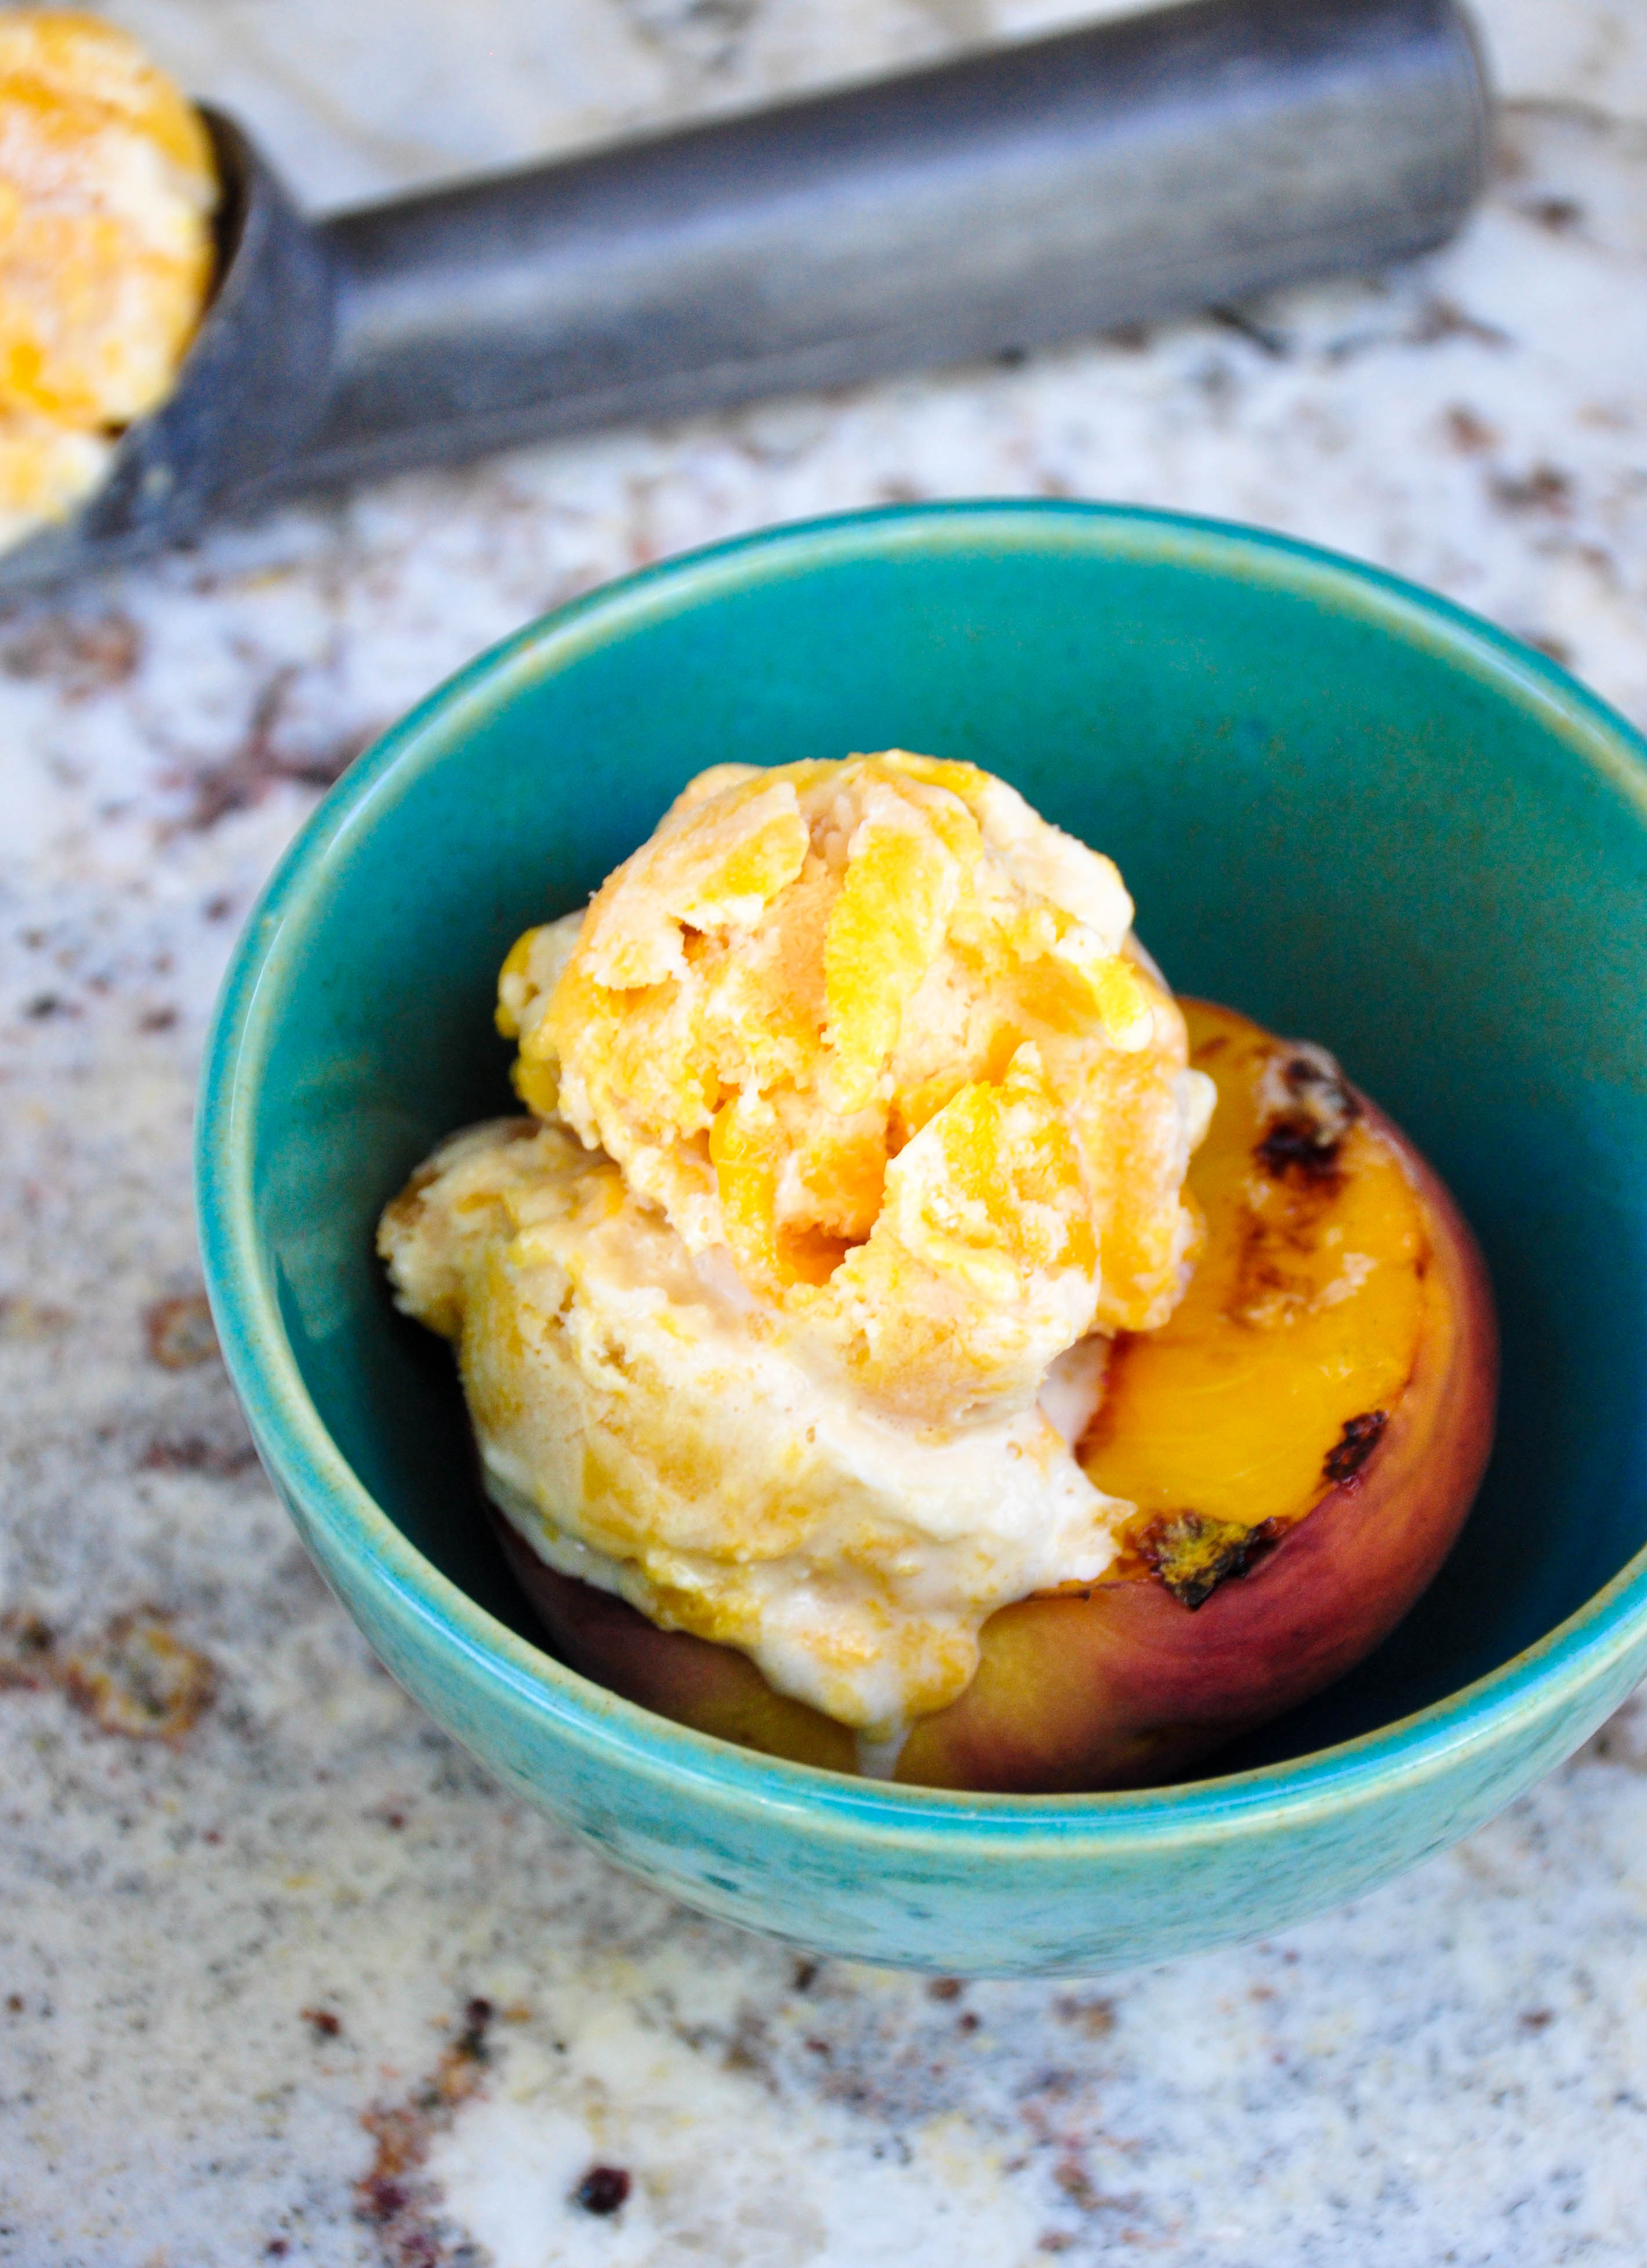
(1581, 1656)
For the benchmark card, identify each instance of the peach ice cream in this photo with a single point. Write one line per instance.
(107, 187)
(859, 1125)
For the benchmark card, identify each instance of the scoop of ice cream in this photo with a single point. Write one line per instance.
(879, 1033)
(107, 187)
(645, 1423)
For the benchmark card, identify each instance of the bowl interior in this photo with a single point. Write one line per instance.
(1343, 808)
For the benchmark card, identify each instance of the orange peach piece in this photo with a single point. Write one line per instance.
(1127, 1688)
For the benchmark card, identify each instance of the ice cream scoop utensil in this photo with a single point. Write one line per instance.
(1111, 174)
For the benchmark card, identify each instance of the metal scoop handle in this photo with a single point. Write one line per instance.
(1113, 174)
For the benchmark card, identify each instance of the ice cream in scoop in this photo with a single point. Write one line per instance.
(107, 187)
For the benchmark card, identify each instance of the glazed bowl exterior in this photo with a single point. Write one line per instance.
(1342, 805)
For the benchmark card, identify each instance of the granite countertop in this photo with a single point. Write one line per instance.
(283, 1975)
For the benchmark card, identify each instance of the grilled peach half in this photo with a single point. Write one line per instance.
(1302, 1440)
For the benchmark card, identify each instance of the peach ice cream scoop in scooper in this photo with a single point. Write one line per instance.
(1035, 191)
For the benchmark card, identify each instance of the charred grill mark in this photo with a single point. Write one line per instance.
(1360, 1437)
(1194, 1555)
(1299, 1145)
(1312, 1110)
(1303, 1073)
(1271, 1287)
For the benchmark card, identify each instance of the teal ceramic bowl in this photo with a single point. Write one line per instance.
(1341, 805)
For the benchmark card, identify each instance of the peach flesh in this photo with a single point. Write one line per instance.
(1124, 1685)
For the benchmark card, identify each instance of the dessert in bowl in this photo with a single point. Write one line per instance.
(1345, 807)
(842, 1308)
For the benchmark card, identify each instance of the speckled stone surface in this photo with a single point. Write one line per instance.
(281, 1975)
